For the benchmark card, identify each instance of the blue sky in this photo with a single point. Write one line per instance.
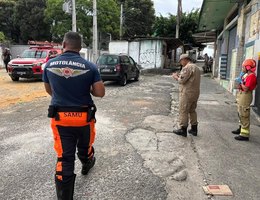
(170, 6)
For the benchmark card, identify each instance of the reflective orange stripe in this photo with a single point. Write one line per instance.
(59, 169)
(59, 166)
(92, 132)
(58, 149)
(75, 119)
(59, 177)
(92, 137)
(57, 141)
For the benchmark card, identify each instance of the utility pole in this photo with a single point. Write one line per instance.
(95, 42)
(121, 22)
(178, 20)
(74, 20)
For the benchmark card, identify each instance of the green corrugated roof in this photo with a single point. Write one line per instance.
(213, 13)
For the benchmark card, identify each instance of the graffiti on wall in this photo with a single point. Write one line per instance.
(148, 57)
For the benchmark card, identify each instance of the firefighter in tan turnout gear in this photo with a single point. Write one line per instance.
(189, 90)
(244, 99)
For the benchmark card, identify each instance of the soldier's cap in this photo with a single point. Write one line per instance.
(183, 56)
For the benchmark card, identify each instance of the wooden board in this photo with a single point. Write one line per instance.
(218, 190)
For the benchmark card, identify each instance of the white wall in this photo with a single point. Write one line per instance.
(147, 53)
(117, 47)
(134, 49)
(151, 55)
(88, 54)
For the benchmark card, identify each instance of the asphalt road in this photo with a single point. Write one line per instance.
(28, 159)
(138, 156)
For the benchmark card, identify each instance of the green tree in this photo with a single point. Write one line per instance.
(166, 26)
(29, 18)
(188, 26)
(7, 25)
(60, 22)
(108, 17)
(138, 18)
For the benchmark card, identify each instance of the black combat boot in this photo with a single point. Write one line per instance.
(65, 191)
(194, 130)
(237, 131)
(87, 165)
(182, 131)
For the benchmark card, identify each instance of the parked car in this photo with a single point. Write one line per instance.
(118, 67)
(29, 64)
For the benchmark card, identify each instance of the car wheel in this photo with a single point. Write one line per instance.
(15, 78)
(137, 76)
(123, 80)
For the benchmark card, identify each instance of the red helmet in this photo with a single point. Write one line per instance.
(249, 64)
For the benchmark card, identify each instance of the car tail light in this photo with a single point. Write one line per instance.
(118, 67)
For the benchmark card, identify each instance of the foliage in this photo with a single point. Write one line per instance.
(188, 26)
(60, 22)
(7, 25)
(139, 17)
(29, 18)
(108, 17)
(23, 20)
(166, 26)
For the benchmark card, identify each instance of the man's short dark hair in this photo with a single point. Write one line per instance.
(73, 40)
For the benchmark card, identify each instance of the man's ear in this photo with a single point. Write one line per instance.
(63, 45)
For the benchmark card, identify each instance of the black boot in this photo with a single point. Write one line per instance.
(65, 191)
(237, 131)
(86, 166)
(194, 130)
(241, 138)
(182, 131)
(87, 163)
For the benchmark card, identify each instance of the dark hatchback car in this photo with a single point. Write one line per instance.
(120, 68)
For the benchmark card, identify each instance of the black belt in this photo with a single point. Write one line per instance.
(72, 109)
(53, 111)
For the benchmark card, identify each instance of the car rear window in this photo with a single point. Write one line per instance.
(108, 60)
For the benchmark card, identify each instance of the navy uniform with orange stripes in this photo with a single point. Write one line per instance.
(70, 80)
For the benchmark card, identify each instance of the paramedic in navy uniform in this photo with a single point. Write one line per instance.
(70, 80)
